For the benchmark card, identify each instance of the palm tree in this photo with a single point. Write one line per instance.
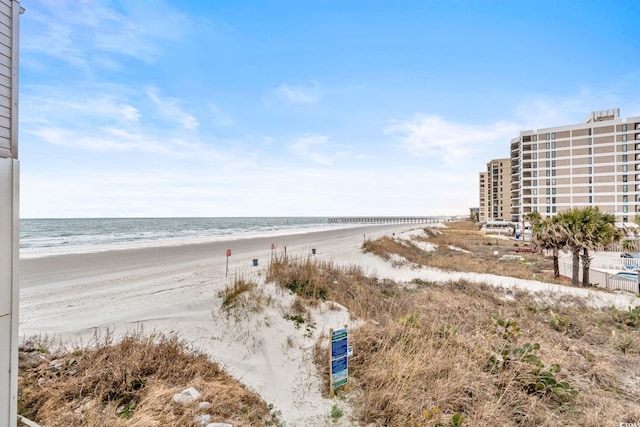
(603, 233)
(588, 228)
(551, 234)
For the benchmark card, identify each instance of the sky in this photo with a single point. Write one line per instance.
(301, 108)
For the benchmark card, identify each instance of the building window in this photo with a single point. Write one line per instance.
(535, 182)
(625, 208)
(624, 178)
(553, 209)
(535, 138)
(590, 189)
(625, 219)
(590, 160)
(553, 172)
(553, 145)
(590, 170)
(548, 209)
(548, 172)
(553, 154)
(553, 191)
(590, 153)
(535, 200)
(535, 165)
(535, 174)
(624, 157)
(553, 181)
(535, 156)
(553, 163)
(547, 153)
(624, 148)
(625, 188)
(589, 132)
(590, 180)
(548, 137)
(625, 199)
(624, 138)
(548, 190)
(590, 199)
(548, 163)
(548, 200)
(553, 135)
(624, 168)
(548, 182)
(590, 141)
(553, 200)
(535, 191)
(624, 127)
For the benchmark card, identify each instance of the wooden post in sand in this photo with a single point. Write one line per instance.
(226, 273)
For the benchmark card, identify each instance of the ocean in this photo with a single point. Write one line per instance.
(39, 237)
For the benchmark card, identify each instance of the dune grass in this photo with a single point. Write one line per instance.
(425, 354)
(460, 353)
(463, 248)
(131, 382)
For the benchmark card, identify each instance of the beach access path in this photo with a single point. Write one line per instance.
(175, 289)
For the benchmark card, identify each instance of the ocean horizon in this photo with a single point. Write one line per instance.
(51, 236)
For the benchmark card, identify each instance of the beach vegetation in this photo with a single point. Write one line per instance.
(130, 380)
(336, 412)
(481, 355)
(477, 253)
(586, 229)
(426, 353)
(232, 295)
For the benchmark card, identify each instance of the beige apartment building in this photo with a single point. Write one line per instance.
(495, 191)
(593, 163)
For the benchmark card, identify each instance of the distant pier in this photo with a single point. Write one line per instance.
(386, 219)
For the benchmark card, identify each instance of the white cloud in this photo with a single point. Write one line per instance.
(299, 94)
(543, 111)
(88, 34)
(170, 108)
(308, 147)
(433, 136)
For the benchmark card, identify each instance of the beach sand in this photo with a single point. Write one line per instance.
(174, 289)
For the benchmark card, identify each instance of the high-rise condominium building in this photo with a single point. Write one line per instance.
(495, 191)
(593, 163)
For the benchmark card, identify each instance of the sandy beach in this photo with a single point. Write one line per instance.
(69, 298)
(175, 289)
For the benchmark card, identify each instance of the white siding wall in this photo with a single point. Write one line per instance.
(9, 216)
(6, 72)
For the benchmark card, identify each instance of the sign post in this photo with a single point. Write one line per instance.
(226, 272)
(339, 357)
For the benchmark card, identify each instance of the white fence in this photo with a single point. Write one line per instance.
(603, 279)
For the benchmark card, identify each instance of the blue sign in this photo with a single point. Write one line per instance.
(339, 368)
(339, 345)
(339, 358)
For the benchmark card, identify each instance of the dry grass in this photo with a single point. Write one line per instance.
(424, 354)
(481, 258)
(131, 382)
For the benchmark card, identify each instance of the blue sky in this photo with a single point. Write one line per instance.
(287, 108)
